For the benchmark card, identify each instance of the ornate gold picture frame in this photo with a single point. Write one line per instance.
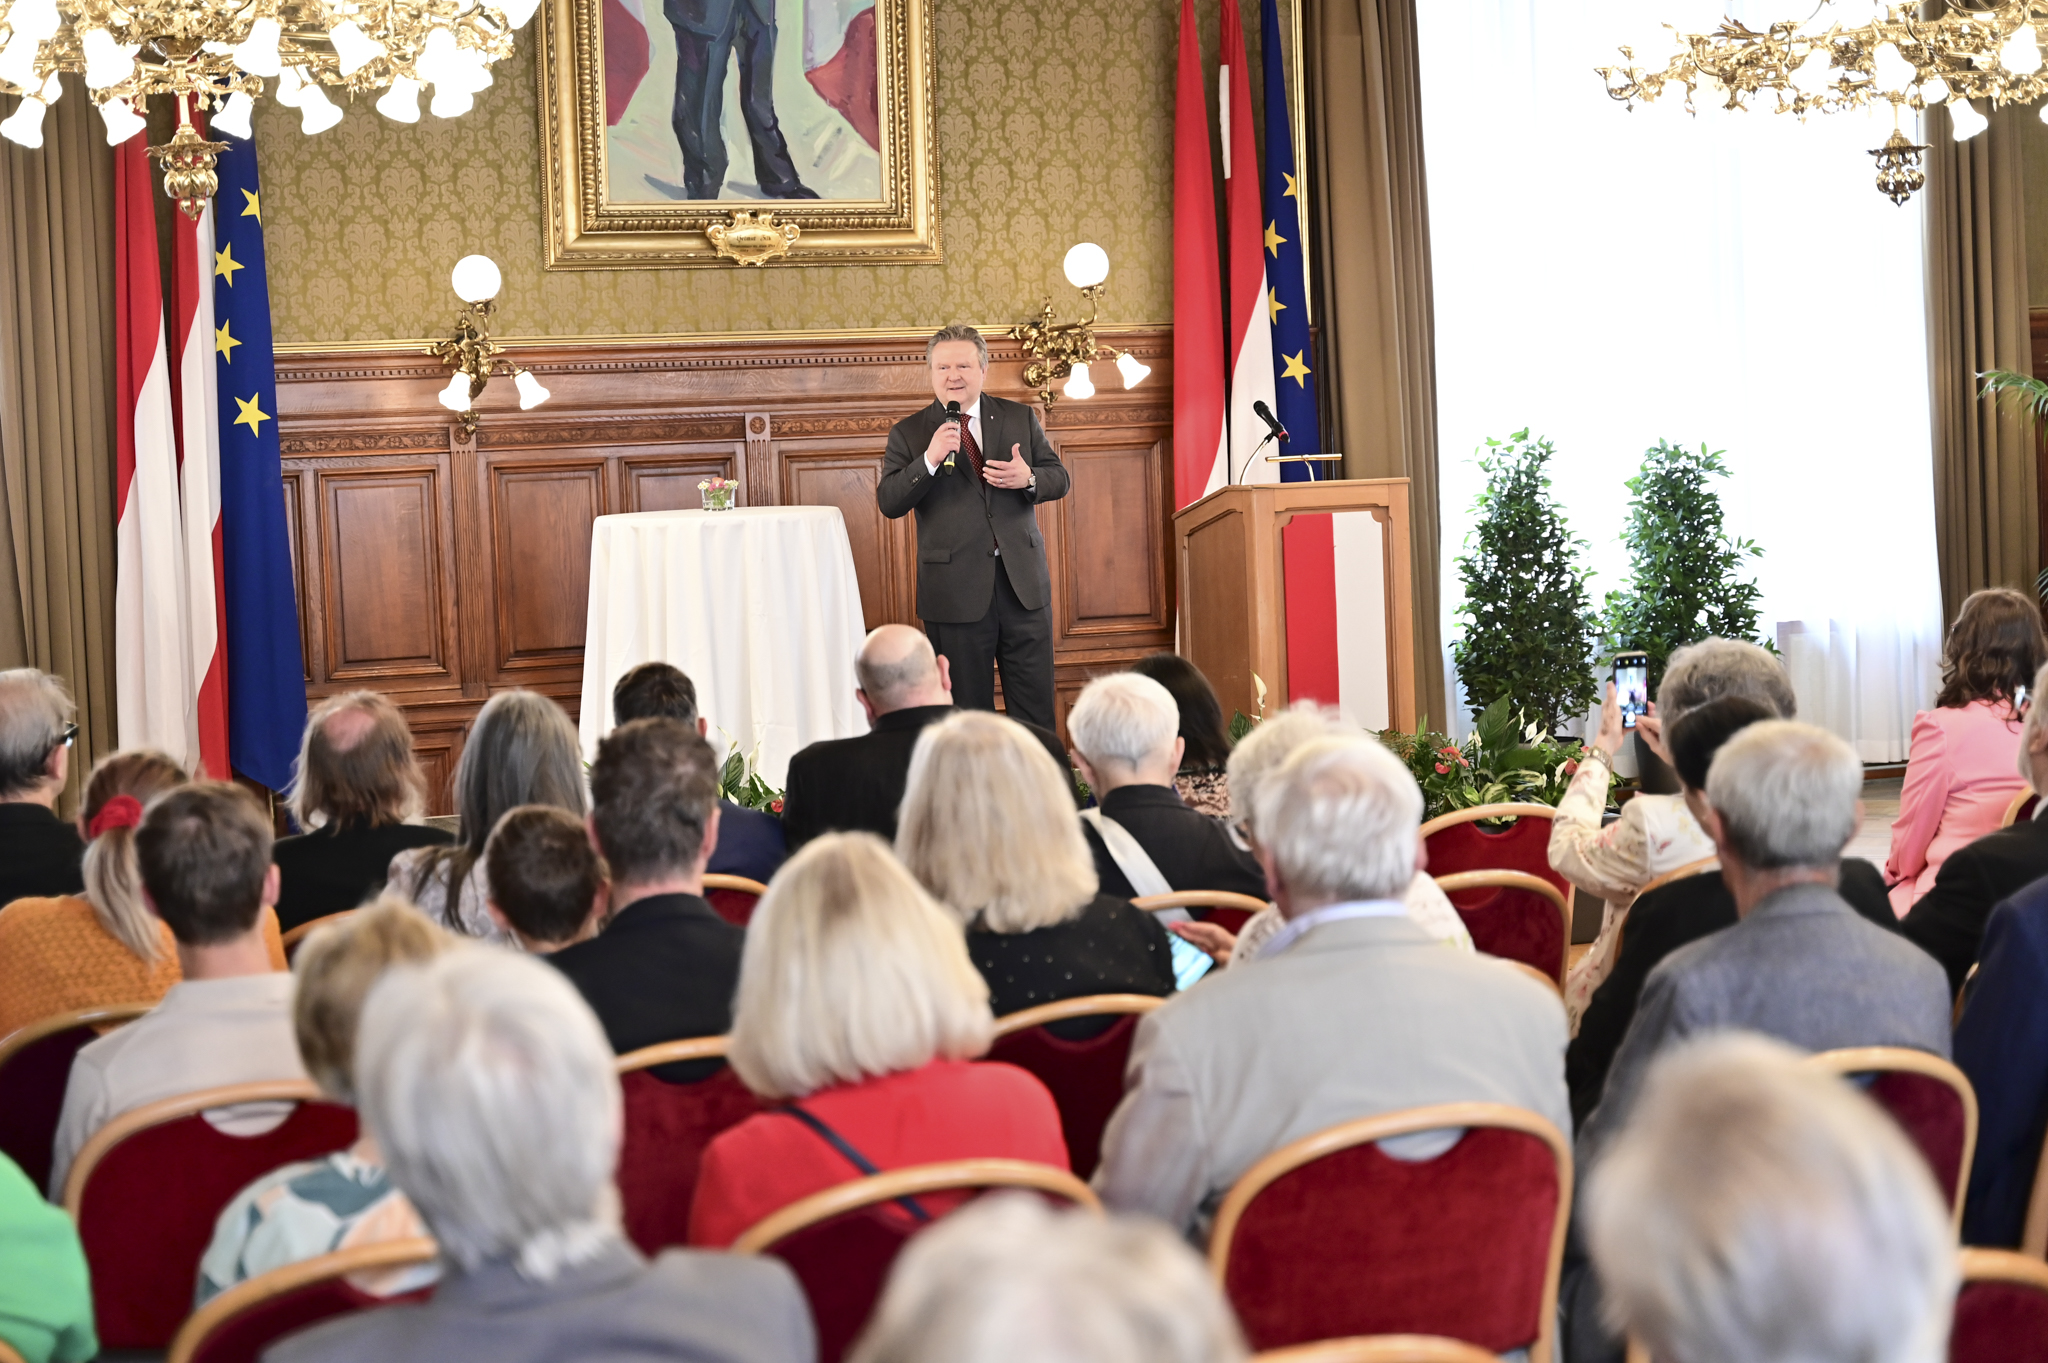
(664, 119)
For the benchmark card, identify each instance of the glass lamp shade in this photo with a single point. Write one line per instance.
(1966, 120)
(455, 397)
(317, 113)
(106, 61)
(1892, 72)
(517, 12)
(476, 279)
(531, 394)
(123, 122)
(1134, 373)
(1933, 91)
(401, 103)
(24, 127)
(2021, 54)
(291, 87)
(1086, 265)
(450, 102)
(353, 48)
(257, 54)
(1078, 384)
(233, 119)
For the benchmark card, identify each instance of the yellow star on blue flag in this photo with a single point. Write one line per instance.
(252, 415)
(252, 206)
(225, 264)
(224, 344)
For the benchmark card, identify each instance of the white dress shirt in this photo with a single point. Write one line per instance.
(973, 429)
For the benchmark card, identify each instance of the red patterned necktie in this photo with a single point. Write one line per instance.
(968, 443)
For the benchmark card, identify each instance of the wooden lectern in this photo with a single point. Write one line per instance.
(1306, 586)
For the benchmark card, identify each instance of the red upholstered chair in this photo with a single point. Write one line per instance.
(35, 1065)
(1380, 1349)
(734, 897)
(1926, 1095)
(2022, 807)
(668, 1124)
(841, 1243)
(240, 1323)
(1330, 1236)
(147, 1187)
(1515, 916)
(2001, 1309)
(1086, 1077)
(1225, 908)
(1456, 842)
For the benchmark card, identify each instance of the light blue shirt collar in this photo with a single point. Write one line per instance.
(1298, 928)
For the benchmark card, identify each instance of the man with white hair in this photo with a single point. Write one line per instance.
(40, 854)
(1330, 1023)
(489, 1087)
(1127, 744)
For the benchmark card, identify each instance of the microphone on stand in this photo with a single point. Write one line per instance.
(952, 414)
(1265, 414)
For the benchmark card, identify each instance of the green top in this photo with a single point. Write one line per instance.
(45, 1295)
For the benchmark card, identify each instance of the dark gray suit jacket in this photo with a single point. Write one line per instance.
(960, 519)
(615, 1308)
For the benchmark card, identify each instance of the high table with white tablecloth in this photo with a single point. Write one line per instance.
(758, 605)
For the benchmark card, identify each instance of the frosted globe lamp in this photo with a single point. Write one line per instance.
(455, 397)
(1086, 265)
(476, 279)
(1134, 373)
(1079, 385)
(531, 394)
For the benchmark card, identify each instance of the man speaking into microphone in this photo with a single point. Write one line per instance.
(973, 466)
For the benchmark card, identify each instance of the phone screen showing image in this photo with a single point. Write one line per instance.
(1632, 686)
(1190, 962)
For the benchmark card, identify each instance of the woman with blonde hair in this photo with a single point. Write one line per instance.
(858, 1014)
(987, 827)
(107, 947)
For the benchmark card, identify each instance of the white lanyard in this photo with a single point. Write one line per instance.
(1298, 928)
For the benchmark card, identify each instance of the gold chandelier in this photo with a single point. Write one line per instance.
(1819, 65)
(218, 53)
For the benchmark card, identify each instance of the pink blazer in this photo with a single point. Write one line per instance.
(1962, 773)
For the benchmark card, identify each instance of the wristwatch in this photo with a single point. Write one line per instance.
(1032, 486)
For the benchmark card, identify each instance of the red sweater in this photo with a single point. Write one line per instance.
(946, 1110)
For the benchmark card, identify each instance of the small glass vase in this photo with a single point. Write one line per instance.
(717, 498)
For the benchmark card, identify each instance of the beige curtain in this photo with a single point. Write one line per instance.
(57, 413)
(1372, 266)
(1985, 508)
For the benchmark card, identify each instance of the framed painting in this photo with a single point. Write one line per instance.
(667, 123)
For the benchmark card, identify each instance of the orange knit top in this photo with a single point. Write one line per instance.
(55, 957)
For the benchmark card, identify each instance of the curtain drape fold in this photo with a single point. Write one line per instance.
(1985, 507)
(1364, 109)
(57, 413)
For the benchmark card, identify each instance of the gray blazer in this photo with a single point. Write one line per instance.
(1804, 968)
(1358, 1018)
(960, 518)
(685, 1305)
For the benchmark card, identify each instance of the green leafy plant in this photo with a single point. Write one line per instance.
(2032, 394)
(1507, 759)
(1528, 618)
(1685, 570)
(739, 781)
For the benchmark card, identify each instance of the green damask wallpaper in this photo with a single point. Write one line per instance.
(1055, 125)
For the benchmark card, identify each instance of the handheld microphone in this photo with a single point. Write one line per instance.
(952, 414)
(1265, 414)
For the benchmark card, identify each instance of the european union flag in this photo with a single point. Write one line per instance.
(1286, 285)
(266, 670)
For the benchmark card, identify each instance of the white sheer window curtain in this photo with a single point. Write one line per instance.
(1606, 278)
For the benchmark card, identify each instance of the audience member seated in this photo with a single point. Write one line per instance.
(204, 854)
(320, 1206)
(1949, 919)
(847, 784)
(1203, 781)
(750, 843)
(664, 967)
(1655, 833)
(522, 750)
(2001, 1042)
(1352, 1010)
(489, 1088)
(357, 787)
(40, 854)
(1145, 841)
(858, 1012)
(1965, 764)
(547, 881)
(45, 1291)
(1755, 1210)
(1687, 909)
(988, 828)
(1009, 1280)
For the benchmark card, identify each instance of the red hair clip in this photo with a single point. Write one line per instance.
(123, 811)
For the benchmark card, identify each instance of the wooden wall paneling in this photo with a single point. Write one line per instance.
(668, 481)
(1113, 549)
(835, 473)
(295, 542)
(540, 513)
(386, 574)
(759, 475)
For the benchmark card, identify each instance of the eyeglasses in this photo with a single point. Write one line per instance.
(70, 735)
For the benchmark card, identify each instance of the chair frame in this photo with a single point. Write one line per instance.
(290, 1278)
(912, 1182)
(170, 1110)
(1086, 1006)
(1515, 810)
(2034, 1239)
(290, 941)
(1533, 973)
(1517, 880)
(1406, 1122)
(2012, 810)
(1851, 1060)
(672, 1052)
(721, 881)
(26, 1035)
(2002, 1266)
(1378, 1349)
(1200, 899)
(1685, 872)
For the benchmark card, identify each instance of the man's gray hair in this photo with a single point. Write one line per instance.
(488, 1083)
(34, 708)
(1786, 794)
(957, 332)
(1758, 1210)
(2037, 714)
(1713, 668)
(887, 681)
(1341, 818)
(1123, 717)
(1009, 1280)
(1259, 753)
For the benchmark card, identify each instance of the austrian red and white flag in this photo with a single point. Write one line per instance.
(1250, 329)
(1200, 444)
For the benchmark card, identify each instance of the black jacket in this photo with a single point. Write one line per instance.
(961, 519)
(664, 969)
(330, 870)
(1192, 850)
(1107, 948)
(39, 853)
(857, 783)
(1948, 921)
(1658, 924)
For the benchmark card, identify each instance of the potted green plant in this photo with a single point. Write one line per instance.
(2033, 401)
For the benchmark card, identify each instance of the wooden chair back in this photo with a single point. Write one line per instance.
(841, 1242)
(1513, 915)
(1929, 1097)
(1330, 1237)
(244, 1320)
(1677, 873)
(2021, 807)
(670, 1118)
(1225, 908)
(1085, 1074)
(1457, 842)
(35, 1065)
(1380, 1349)
(304, 930)
(733, 897)
(2001, 1309)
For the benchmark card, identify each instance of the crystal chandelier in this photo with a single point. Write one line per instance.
(218, 53)
(1820, 65)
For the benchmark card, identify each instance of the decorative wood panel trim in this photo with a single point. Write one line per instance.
(295, 543)
(542, 607)
(384, 574)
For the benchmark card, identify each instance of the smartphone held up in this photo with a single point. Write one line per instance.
(1632, 686)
